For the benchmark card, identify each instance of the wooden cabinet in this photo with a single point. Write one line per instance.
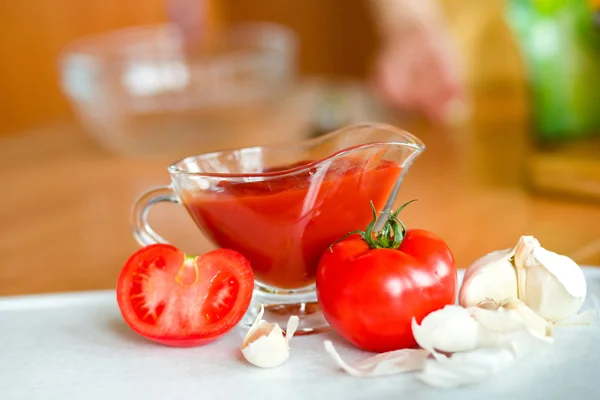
(32, 33)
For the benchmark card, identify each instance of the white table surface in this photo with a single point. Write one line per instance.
(76, 346)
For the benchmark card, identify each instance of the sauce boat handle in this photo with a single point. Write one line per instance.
(142, 231)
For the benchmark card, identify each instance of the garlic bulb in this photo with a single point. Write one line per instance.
(265, 344)
(551, 285)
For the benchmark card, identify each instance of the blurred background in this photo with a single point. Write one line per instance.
(335, 38)
(99, 96)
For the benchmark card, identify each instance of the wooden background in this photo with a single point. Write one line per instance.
(337, 38)
(67, 202)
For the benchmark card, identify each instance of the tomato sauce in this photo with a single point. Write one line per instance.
(283, 225)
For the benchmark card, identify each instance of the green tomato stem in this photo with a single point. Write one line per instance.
(390, 236)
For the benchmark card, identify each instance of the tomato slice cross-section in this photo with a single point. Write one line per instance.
(184, 301)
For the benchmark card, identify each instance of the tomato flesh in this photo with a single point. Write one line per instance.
(183, 301)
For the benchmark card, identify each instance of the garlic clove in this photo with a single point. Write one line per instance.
(536, 325)
(265, 344)
(482, 341)
(448, 330)
(491, 277)
(562, 267)
(497, 321)
(457, 329)
(392, 362)
(554, 285)
(467, 344)
(512, 325)
(466, 368)
(487, 259)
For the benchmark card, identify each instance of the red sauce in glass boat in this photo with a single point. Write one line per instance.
(284, 224)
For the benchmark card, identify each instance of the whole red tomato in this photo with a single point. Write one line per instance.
(370, 285)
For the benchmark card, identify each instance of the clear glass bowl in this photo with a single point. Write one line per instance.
(141, 91)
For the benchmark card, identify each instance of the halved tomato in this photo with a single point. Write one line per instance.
(184, 301)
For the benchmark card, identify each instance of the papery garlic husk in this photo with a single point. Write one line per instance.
(466, 368)
(471, 344)
(457, 329)
(388, 363)
(467, 344)
(551, 285)
(265, 344)
(512, 324)
(536, 325)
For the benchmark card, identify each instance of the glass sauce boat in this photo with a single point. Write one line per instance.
(282, 206)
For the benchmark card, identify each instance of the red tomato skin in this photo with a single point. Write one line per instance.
(172, 254)
(369, 296)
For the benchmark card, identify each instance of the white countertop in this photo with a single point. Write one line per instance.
(76, 346)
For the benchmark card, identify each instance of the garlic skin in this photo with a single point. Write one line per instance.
(455, 329)
(466, 368)
(551, 285)
(536, 325)
(265, 345)
(512, 325)
(471, 344)
(468, 345)
(389, 363)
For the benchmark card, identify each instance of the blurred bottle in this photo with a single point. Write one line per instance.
(560, 45)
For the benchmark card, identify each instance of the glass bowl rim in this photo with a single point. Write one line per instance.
(406, 139)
